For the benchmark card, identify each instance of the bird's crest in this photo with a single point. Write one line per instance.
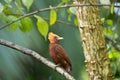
(53, 37)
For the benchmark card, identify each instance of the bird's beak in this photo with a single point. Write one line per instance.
(60, 38)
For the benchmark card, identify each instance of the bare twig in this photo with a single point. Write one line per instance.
(63, 22)
(36, 56)
(47, 9)
(112, 43)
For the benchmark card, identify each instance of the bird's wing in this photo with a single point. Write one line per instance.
(60, 50)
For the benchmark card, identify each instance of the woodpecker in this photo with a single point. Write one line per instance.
(57, 52)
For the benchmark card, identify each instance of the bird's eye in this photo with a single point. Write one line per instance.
(55, 38)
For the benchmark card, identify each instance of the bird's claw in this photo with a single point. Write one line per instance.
(58, 65)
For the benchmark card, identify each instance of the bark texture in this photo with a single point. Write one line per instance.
(95, 50)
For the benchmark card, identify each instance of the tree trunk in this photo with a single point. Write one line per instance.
(93, 41)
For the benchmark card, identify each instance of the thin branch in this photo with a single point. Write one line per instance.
(113, 43)
(36, 56)
(47, 9)
(62, 22)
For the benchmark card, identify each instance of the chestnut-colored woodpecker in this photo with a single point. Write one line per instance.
(57, 52)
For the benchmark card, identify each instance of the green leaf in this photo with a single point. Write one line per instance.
(26, 24)
(102, 20)
(1, 8)
(72, 10)
(14, 25)
(109, 22)
(60, 4)
(18, 4)
(42, 26)
(69, 17)
(3, 18)
(65, 0)
(112, 8)
(8, 9)
(108, 31)
(113, 54)
(53, 17)
(27, 3)
(69, 14)
(76, 21)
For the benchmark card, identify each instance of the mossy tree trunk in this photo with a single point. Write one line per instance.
(93, 41)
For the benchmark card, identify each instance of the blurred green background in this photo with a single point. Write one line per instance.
(17, 66)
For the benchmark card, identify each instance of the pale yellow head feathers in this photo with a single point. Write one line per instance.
(53, 38)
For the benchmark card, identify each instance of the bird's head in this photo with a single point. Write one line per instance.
(53, 38)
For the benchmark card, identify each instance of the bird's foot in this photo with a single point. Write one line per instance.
(58, 65)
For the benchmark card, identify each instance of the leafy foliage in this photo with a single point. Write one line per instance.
(42, 26)
(27, 3)
(109, 22)
(11, 10)
(75, 21)
(14, 25)
(26, 24)
(53, 17)
(112, 9)
(65, 0)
